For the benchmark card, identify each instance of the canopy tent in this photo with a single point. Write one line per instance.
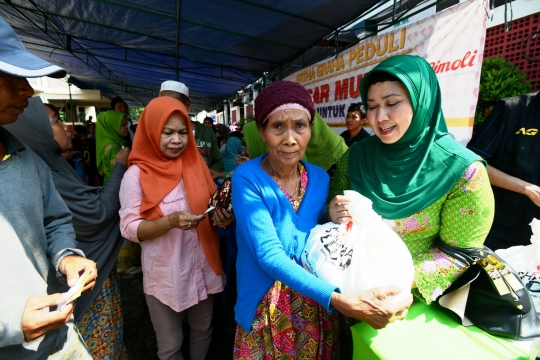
(215, 47)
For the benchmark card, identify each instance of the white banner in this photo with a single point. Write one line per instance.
(452, 41)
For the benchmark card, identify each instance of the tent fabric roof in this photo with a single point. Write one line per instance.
(128, 47)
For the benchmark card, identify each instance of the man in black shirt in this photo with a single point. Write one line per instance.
(509, 141)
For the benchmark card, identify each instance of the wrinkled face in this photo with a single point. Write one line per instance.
(14, 94)
(174, 136)
(286, 135)
(208, 122)
(354, 121)
(60, 133)
(124, 127)
(389, 110)
(121, 107)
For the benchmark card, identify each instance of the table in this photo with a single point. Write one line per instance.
(428, 332)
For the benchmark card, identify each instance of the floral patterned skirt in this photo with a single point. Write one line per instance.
(288, 325)
(102, 325)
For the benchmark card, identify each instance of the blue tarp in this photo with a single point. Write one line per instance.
(128, 47)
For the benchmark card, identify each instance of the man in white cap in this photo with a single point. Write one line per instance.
(36, 235)
(205, 137)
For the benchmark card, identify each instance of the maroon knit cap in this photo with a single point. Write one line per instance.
(280, 93)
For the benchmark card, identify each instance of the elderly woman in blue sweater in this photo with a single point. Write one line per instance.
(283, 311)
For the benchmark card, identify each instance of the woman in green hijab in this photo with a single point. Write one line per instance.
(110, 128)
(422, 181)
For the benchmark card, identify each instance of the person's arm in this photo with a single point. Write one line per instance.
(370, 306)
(466, 217)
(512, 183)
(57, 222)
(103, 207)
(137, 229)
(108, 161)
(26, 320)
(255, 224)
(335, 202)
(152, 229)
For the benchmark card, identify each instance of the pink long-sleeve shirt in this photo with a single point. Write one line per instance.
(175, 269)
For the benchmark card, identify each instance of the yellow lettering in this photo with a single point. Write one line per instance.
(378, 50)
(360, 54)
(532, 131)
(341, 63)
(320, 70)
(352, 56)
(391, 47)
(402, 39)
(369, 54)
(521, 131)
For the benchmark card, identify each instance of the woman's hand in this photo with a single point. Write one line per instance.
(339, 210)
(122, 156)
(184, 220)
(370, 306)
(240, 159)
(74, 266)
(222, 218)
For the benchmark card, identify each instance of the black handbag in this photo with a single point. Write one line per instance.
(497, 302)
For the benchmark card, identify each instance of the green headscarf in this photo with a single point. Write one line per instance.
(325, 147)
(108, 132)
(405, 177)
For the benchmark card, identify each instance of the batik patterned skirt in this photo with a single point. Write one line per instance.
(102, 325)
(288, 325)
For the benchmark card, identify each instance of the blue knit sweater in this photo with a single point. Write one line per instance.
(271, 236)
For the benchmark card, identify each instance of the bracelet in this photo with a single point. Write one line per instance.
(225, 175)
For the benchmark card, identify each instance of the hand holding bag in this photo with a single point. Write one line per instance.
(363, 254)
(497, 301)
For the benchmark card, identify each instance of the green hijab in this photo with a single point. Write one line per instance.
(405, 177)
(108, 132)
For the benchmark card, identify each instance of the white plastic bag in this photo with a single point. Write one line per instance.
(526, 261)
(361, 255)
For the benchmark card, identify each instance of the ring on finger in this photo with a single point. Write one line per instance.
(189, 224)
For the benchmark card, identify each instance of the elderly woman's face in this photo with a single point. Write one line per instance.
(286, 135)
(389, 110)
(174, 136)
(59, 131)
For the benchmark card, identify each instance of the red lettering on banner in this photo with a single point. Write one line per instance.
(320, 93)
(454, 65)
(316, 95)
(325, 91)
(341, 91)
(355, 92)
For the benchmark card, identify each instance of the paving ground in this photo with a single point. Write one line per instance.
(139, 335)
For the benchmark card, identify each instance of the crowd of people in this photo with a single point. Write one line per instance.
(144, 205)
